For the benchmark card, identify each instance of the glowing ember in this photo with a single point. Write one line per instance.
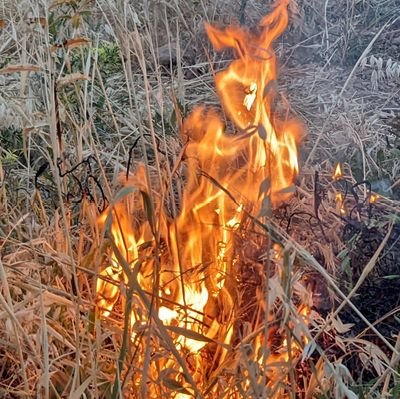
(228, 176)
(373, 198)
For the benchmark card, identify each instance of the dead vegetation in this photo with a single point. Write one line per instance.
(92, 88)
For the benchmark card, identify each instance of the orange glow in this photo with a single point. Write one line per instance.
(373, 198)
(228, 175)
(338, 172)
(340, 203)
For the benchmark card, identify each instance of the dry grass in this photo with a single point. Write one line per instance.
(84, 81)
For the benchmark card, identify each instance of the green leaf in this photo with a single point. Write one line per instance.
(176, 386)
(392, 277)
(308, 350)
(380, 156)
(120, 195)
(266, 208)
(189, 334)
(195, 336)
(264, 187)
(148, 207)
(124, 192)
(262, 132)
(288, 190)
(270, 88)
(246, 135)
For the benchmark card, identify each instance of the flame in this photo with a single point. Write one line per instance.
(373, 198)
(338, 172)
(247, 90)
(229, 175)
(340, 203)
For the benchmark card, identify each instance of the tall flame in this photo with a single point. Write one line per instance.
(228, 176)
(247, 90)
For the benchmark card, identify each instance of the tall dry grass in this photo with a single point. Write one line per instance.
(84, 81)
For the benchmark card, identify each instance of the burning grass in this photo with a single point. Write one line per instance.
(153, 246)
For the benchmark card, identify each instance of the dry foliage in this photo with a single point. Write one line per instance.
(92, 88)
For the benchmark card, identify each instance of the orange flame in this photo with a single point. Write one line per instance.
(373, 198)
(338, 172)
(340, 203)
(247, 90)
(228, 176)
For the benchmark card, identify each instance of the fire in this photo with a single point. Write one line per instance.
(183, 263)
(373, 198)
(338, 172)
(340, 203)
